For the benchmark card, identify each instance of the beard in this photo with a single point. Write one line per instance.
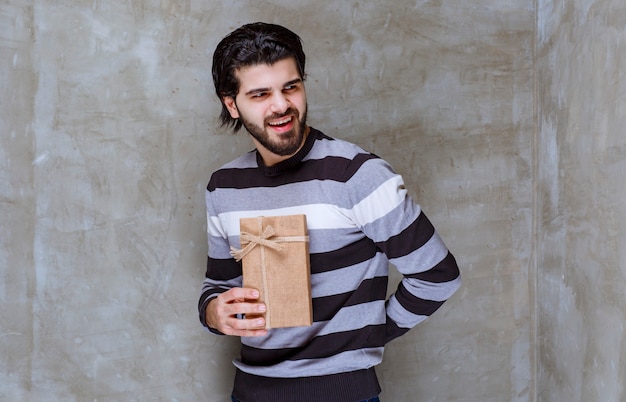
(284, 144)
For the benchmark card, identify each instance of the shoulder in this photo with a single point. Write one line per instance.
(244, 161)
(347, 161)
(327, 146)
(242, 165)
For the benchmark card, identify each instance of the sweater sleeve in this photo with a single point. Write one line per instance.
(222, 272)
(387, 214)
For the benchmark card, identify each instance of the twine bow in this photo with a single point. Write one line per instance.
(265, 239)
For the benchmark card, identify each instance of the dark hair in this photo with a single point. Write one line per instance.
(249, 45)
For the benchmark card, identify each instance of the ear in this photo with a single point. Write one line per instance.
(230, 104)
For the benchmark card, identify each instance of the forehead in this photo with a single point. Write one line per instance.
(267, 75)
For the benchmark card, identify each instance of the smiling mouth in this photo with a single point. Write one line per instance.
(281, 122)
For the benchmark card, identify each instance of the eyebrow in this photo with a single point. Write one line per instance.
(286, 84)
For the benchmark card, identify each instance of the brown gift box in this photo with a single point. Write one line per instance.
(275, 261)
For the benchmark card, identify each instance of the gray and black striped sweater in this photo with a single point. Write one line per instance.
(360, 218)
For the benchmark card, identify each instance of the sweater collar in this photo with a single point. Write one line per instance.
(291, 162)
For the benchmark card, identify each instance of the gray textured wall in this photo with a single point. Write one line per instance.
(581, 222)
(504, 117)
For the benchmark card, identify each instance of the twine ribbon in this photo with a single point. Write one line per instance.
(265, 239)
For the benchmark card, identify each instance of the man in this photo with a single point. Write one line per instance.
(359, 216)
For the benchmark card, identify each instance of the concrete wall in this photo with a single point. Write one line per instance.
(581, 221)
(108, 134)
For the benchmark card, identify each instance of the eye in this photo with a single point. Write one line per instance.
(258, 95)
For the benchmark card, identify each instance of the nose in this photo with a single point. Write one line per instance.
(280, 103)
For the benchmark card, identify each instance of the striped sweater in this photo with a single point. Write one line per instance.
(360, 218)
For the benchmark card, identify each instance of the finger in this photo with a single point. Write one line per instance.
(247, 327)
(242, 308)
(251, 333)
(240, 294)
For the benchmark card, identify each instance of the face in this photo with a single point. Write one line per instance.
(271, 105)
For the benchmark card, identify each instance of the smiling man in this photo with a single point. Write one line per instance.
(360, 219)
(271, 105)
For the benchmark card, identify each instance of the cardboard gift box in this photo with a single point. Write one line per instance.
(275, 261)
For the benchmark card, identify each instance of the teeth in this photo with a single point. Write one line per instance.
(281, 122)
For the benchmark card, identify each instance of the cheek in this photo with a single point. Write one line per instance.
(253, 113)
(301, 103)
